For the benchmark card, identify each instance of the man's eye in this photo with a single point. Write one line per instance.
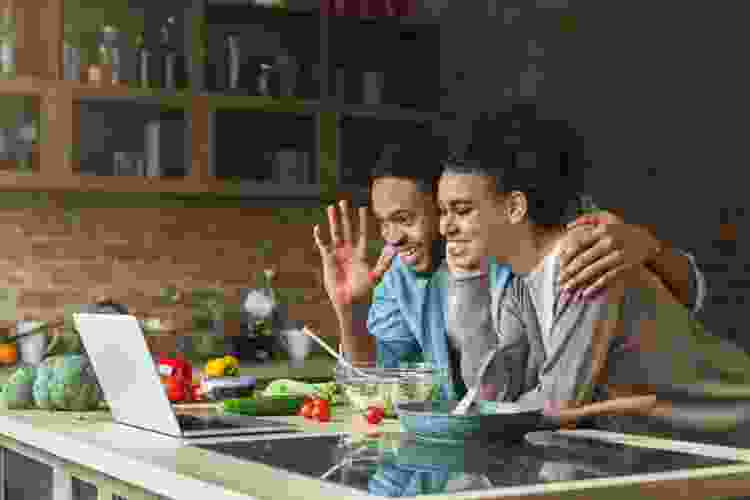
(463, 211)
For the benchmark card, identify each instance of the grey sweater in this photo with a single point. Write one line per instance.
(547, 341)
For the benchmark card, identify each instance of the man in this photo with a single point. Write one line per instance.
(407, 315)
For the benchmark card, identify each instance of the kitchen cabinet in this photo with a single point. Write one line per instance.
(25, 478)
(83, 490)
(72, 153)
(31, 474)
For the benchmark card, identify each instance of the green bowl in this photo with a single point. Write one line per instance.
(432, 421)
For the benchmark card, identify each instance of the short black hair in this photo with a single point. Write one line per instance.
(541, 158)
(416, 156)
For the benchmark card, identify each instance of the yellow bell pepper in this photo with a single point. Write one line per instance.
(216, 368)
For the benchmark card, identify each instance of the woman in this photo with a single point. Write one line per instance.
(578, 355)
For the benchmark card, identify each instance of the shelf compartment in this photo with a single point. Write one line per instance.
(362, 141)
(265, 33)
(406, 57)
(264, 147)
(150, 140)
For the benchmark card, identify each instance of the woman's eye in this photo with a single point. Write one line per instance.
(463, 211)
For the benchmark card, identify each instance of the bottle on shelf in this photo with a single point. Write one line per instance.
(110, 36)
(101, 73)
(143, 62)
(233, 62)
(7, 45)
(169, 56)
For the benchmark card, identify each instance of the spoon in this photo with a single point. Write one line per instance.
(471, 395)
(333, 353)
(466, 402)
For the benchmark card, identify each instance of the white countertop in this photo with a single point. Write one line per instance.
(168, 467)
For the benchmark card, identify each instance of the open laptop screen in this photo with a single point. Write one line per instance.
(118, 352)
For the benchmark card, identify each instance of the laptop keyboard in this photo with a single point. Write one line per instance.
(193, 423)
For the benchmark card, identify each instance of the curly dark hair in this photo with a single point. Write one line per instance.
(541, 158)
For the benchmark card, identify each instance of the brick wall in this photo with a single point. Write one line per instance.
(54, 259)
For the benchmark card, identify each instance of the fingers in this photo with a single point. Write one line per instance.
(576, 242)
(334, 226)
(346, 222)
(363, 231)
(384, 263)
(603, 282)
(590, 266)
(322, 248)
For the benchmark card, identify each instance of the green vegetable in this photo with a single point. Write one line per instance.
(268, 406)
(330, 391)
(287, 387)
(67, 382)
(17, 392)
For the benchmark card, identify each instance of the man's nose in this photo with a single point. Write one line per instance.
(393, 236)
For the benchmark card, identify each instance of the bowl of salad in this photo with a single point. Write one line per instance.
(385, 387)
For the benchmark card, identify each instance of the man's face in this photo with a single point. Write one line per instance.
(407, 219)
(472, 220)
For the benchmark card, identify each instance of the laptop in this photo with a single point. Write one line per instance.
(129, 379)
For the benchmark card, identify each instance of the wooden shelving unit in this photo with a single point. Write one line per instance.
(56, 166)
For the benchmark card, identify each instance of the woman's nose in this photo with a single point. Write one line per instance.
(446, 226)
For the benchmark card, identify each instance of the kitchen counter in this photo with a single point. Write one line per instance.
(166, 468)
(141, 465)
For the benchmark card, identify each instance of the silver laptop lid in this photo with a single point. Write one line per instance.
(122, 362)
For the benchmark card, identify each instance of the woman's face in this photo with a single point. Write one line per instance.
(472, 220)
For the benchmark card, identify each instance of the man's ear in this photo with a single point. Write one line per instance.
(516, 207)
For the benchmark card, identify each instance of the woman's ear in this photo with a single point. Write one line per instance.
(516, 207)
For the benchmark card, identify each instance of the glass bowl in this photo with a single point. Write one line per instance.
(384, 387)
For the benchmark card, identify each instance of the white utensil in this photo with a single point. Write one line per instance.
(466, 402)
(470, 396)
(334, 353)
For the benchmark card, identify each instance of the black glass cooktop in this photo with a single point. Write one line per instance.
(398, 465)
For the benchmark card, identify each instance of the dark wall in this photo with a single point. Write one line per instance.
(659, 91)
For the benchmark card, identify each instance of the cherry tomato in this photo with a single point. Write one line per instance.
(322, 403)
(321, 413)
(375, 415)
(307, 410)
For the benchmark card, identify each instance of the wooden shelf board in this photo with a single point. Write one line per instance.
(218, 101)
(122, 93)
(23, 85)
(384, 112)
(14, 181)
